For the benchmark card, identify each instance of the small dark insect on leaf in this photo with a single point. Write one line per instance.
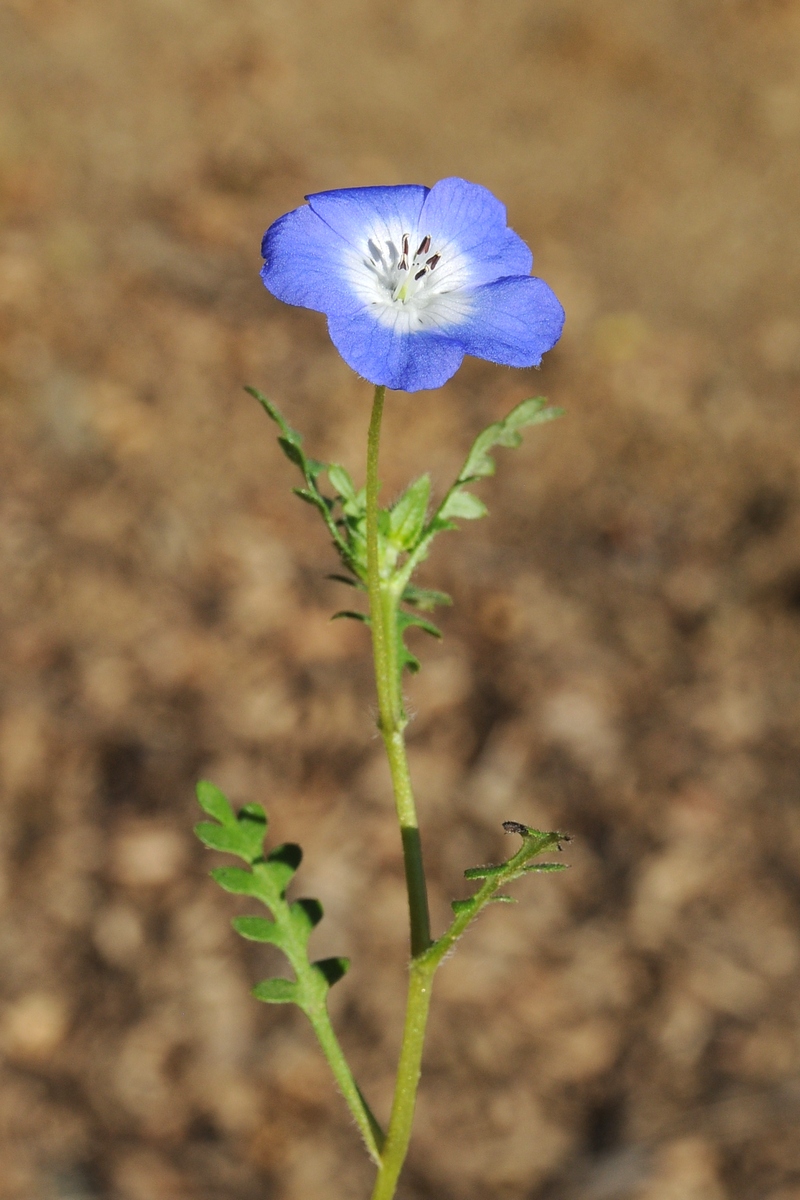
(516, 827)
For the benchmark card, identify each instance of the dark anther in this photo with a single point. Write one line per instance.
(433, 260)
(515, 827)
(424, 245)
(405, 245)
(419, 274)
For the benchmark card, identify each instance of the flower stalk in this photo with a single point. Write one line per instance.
(383, 601)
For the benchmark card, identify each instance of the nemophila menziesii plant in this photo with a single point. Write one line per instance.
(410, 279)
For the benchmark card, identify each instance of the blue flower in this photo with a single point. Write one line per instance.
(412, 279)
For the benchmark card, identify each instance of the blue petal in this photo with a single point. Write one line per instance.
(303, 263)
(468, 224)
(514, 321)
(407, 362)
(357, 214)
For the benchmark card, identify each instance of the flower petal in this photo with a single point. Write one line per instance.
(303, 263)
(468, 227)
(514, 321)
(408, 362)
(381, 213)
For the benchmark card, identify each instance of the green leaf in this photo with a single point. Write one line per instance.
(407, 620)
(276, 991)
(236, 880)
(341, 481)
(493, 876)
(409, 662)
(504, 433)
(352, 614)
(290, 443)
(291, 448)
(215, 803)
(258, 929)
(349, 580)
(425, 598)
(407, 515)
(355, 507)
(463, 504)
(292, 924)
(406, 660)
(244, 837)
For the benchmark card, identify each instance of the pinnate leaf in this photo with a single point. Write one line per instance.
(479, 463)
(292, 924)
(493, 876)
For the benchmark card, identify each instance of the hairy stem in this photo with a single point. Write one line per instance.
(362, 1114)
(408, 1073)
(383, 601)
(383, 620)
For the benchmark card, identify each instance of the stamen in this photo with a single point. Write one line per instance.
(433, 260)
(419, 274)
(424, 245)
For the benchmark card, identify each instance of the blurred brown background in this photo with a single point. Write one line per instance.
(621, 660)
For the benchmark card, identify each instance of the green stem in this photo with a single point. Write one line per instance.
(383, 602)
(408, 1073)
(362, 1114)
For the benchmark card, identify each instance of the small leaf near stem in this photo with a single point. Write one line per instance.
(291, 444)
(423, 970)
(496, 876)
(266, 878)
(459, 503)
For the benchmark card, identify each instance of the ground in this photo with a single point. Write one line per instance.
(620, 662)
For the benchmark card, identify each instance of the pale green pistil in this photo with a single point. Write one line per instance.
(413, 271)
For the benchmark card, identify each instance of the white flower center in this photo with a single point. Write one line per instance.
(410, 284)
